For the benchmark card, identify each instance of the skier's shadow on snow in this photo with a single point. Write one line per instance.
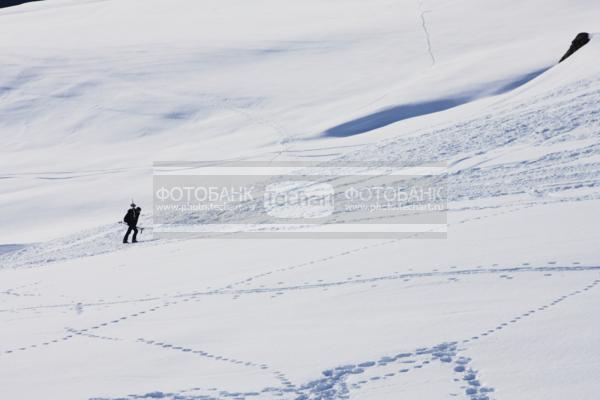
(395, 114)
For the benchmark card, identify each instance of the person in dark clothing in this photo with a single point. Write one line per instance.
(131, 219)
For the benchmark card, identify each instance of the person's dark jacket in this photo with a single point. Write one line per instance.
(132, 216)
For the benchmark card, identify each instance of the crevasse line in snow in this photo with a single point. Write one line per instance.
(426, 32)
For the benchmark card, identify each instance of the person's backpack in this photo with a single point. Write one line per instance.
(128, 218)
(136, 215)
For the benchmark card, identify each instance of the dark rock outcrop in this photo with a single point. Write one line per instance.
(580, 40)
(9, 3)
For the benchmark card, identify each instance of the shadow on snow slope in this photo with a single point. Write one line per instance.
(9, 3)
(395, 114)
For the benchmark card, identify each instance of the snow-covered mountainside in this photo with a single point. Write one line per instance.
(92, 92)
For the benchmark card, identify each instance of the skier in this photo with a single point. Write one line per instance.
(131, 219)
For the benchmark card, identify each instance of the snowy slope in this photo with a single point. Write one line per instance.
(505, 308)
(94, 91)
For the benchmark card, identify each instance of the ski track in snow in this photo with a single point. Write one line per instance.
(453, 274)
(251, 278)
(551, 119)
(334, 382)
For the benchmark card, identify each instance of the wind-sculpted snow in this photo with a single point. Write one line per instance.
(560, 125)
(402, 112)
(563, 115)
(493, 175)
(504, 308)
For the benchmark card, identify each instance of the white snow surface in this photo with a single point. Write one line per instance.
(92, 92)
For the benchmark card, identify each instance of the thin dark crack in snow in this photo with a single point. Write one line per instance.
(426, 32)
